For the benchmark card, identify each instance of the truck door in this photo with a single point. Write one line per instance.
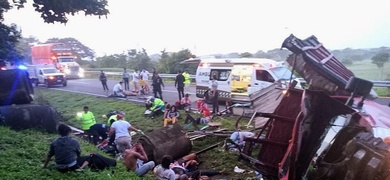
(262, 79)
(223, 77)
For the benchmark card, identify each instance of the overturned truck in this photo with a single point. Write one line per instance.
(331, 130)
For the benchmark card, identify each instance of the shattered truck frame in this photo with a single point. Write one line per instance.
(327, 131)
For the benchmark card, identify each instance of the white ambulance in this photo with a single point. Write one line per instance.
(238, 77)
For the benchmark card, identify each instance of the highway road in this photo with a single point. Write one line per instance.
(94, 87)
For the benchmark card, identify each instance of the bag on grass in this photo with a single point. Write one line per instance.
(98, 162)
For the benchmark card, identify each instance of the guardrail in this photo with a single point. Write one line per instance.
(381, 83)
(119, 74)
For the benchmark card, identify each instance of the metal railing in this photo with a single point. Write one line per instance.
(119, 74)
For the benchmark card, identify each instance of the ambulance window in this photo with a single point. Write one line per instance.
(263, 75)
(220, 74)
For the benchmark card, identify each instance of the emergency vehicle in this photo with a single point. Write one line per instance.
(238, 77)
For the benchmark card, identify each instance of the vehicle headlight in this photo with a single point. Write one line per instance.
(81, 74)
(67, 71)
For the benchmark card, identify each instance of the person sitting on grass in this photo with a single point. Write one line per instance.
(186, 103)
(163, 171)
(134, 160)
(206, 117)
(171, 116)
(65, 149)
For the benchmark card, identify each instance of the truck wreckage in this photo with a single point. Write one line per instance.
(331, 130)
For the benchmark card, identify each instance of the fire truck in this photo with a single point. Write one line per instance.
(60, 56)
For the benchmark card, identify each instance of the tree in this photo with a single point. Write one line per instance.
(24, 48)
(170, 63)
(9, 36)
(51, 11)
(379, 60)
(246, 55)
(81, 51)
(139, 60)
(58, 11)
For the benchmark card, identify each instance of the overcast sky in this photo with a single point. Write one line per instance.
(217, 26)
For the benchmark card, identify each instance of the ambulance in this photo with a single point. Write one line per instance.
(238, 77)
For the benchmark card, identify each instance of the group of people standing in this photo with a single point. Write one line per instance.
(139, 80)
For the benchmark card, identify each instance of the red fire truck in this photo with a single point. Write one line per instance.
(58, 55)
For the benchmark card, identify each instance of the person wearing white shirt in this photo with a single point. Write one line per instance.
(143, 82)
(135, 80)
(144, 75)
(118, 90)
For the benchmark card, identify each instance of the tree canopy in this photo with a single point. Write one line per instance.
(51, 11)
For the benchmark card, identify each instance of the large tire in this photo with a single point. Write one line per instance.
(363, 157)
(36, 82)
(65, 83)
(20, 117)
(47, 85)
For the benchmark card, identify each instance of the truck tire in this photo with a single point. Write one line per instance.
(47, 84)
(65, 83)
(36, 82)
(27, 116)
(364, 157)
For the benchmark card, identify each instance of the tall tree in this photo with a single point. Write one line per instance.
(140, 60)
(24, 48)
(81, 51)
(379, 60)
(51, 11)
(170, 63)
(246, 55)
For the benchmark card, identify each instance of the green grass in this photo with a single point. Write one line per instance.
(367, 70)
(22, 153)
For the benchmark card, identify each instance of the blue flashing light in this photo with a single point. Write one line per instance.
(22, 67)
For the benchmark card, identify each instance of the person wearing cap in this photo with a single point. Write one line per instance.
(87, 119)
(186, 103)
(121, 129)
(118, 90)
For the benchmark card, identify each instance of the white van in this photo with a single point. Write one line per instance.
(238, 77)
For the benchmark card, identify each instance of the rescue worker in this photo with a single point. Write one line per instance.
(157, 83)
(187, 81)
(87, 119)
(157, 106)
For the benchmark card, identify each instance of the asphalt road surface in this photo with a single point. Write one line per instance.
(170, 94)
(94, 87)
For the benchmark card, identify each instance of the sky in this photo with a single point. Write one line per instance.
(217, 26)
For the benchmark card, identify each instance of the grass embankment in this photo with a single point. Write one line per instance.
(22, 153)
